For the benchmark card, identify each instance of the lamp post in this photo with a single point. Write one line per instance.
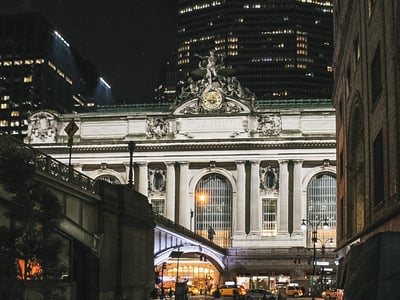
(323, 250)
(314, 227)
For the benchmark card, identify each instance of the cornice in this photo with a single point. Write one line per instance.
(212, 146)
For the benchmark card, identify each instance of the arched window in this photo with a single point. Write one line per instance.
(213, 208)
(109, 178)
(321, 206)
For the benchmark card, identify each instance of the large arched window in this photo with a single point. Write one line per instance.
(321, 206)
(108, 178)
(213, 208)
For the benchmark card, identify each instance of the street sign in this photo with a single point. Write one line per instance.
(71, 128)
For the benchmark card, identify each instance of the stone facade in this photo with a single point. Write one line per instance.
(256, 158)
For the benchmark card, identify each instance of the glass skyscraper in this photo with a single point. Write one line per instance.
(279, 49)
(39, 69)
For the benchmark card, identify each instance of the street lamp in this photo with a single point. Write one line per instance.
(314, 226)
(323, 245)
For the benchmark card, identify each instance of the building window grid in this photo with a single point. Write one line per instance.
(269, 209)
(321, 205)
(213, 207)
(158, 206)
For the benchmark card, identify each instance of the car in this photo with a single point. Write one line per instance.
(193, 291)
(329, 294)
(294, 291)
(259, 294)
(230, 290)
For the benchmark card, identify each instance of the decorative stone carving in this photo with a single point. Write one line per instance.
(157, 127)
(269, 125)
(215, 90)
(42, 128)
(157, 180)
(268, 178)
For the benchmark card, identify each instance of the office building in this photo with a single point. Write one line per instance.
(278, 49)
(366, 97)
(39, 69)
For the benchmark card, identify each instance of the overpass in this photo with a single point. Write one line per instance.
(103, 225)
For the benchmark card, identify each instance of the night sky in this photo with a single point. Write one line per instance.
(128, 41)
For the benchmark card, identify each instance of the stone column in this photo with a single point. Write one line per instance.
(170, 191)
(240, 199)
(184, 207)
(127, 170)
(255, 206)
(142, 186)
(297, 205)
(283, 208)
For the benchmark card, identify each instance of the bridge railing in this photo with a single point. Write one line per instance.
(48, 165)
(161, 220)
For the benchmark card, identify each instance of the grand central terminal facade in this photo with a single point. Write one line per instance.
(251, 170)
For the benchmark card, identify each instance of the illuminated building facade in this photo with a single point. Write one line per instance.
(240, 171)
(279, 49)
(40, 70)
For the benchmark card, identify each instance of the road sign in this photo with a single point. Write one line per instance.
(71, 128)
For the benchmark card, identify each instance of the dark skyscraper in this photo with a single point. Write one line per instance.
(40, 70)
(279, 49)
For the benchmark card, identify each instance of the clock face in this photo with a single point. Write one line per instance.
(212, 100)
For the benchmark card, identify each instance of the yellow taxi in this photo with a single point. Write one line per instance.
(192, 290)
(294, 291)
(329, 294)
(230, 290)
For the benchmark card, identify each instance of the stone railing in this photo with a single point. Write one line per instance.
(47, 165)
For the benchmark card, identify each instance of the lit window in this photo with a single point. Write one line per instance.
(28, 78)
(5, 97)
(28, 61)
(61, 73)
(51, 65)
(39, 61)
(269, 209)
(3, 105)
(3, 123)
(329, 68)
(321, 204)
(14, 113)
(18, 62)
(34, 269)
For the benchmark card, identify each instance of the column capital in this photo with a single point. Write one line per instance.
(141, 163)
(169, 163)
(283, 161)
(298, 161)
